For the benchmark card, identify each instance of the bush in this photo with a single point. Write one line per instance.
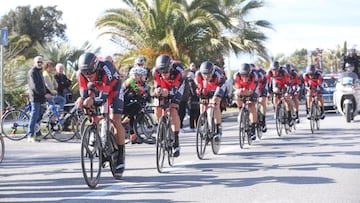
(12, 98)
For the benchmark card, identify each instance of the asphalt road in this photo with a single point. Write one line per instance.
(298, 167)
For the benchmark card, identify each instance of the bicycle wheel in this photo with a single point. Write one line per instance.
(242, 127)
(215, 145)
(144, 124)
(313, 117)
(201, 135)
(279, 118)
(14, 124)
(260, 122)
(169, 144)
(91, 157)
(161, 144)
(317, 123)
(56, 128)
(2, 148)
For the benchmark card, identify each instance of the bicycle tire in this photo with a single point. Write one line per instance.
(312, 117)
(279, 119)
(56, 129)
(2, 148)
(260, 122)
(215, 145)
(144, 125)
(317, 123)
(242, 127)
(201, 135)
(91, 156)
(14, 124)
(161, 144)
(169, 141)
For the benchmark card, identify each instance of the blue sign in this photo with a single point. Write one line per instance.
(4, 36)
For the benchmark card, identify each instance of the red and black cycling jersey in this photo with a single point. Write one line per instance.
(107, 78)
(314, 80)
(217, 80)
(294, 78)
(249, 84)
(281, 80)
(174, 81)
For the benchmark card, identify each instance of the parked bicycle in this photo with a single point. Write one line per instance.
(98, 146)
(206, 129)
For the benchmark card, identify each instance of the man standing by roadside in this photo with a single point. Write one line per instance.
(37, 95)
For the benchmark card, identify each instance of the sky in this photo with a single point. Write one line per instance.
(297, 23)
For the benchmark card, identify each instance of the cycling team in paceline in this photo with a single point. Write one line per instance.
(99, 81)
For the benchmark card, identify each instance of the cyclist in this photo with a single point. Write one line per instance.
(133, 91)
(168, 81)
(262, 91)
(313, 82)
(246, 86)
(210, 81)
(140, 62)
(279, 82)
(105, 78)
(295, 84)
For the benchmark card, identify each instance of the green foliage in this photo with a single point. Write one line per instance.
(42, 24)
(12, 97)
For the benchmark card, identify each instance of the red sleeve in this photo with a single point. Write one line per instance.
(252, 84)
(177, 80)
(237, 82)
(199, 81)
(157, 81)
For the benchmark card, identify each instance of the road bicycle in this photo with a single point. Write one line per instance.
(244, 123)
(206, 129)
(15, 121)
(98, 146)
(165, 137)
(260, 120)
(281, 117)
(314, 112)
(143, 122)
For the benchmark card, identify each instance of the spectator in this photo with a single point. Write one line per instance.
(63, 82)
(184, 101)
(353, 59)
(52, 85)
(37, 95)
(194, 105)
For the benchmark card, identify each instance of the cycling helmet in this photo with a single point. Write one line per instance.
(349, 67)
(142, 71)
(311, 69)
(275, 66)
(288, 67)
(133, 71)
(207, 68)
(141, 60)
(88, 63)
(163, 63)
(244, 69)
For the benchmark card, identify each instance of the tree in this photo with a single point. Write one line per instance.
(42, 24)
(187, 30)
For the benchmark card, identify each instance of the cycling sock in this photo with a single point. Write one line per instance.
(218, 128)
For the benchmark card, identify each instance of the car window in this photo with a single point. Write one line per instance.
(329, 82)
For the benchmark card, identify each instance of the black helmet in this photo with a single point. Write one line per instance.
(141, 60)
(207, 68)
(244, 69)
(163, 63)
(275, 66)
(310, 69)
(288, 67)
(88, 63)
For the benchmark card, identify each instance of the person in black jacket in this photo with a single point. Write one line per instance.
(194, 105)
(38, 94)
(63, 88)
(353, 59)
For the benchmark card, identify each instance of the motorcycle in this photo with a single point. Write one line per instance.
(347, 97)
